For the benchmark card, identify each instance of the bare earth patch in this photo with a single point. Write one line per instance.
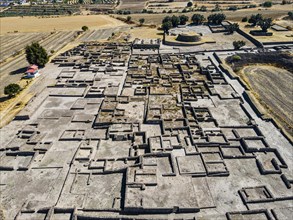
(274, 88)
(37, 24)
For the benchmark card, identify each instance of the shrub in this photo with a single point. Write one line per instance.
(233, 8)
(183, 19)
(141, 21)
(238, 44)
(290, 14)
(254, 19)
(84, 28)
(166, 26)
(189, 4)
(12, 89)
(216, 18)
(267, 4)
(128, 19)
(197, 19)
(233, 27)
(245, 19)
(235, 58)
(36, 54)
(203, 8)
(265, 24)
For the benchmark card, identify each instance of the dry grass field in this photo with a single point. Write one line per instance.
(273, 87)
(274, 12)
(132, 5)
(57, 23)
(278, 36)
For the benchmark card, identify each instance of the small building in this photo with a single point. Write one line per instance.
(32, 72)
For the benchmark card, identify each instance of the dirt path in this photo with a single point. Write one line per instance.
(274, 88)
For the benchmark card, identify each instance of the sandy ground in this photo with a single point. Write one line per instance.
(279, 36)
(37, 24)
(145, 32)
(274, 88)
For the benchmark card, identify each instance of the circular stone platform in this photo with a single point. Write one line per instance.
(188, 37)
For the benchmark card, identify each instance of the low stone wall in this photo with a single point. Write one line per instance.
(250, 38)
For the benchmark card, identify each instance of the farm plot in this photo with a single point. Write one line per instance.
(156, 19)
(95, 35)
(96, 5)
(274, 88)
(133, 5)
(11, 72)
(11, 44)
(40, 10)
(159, 6)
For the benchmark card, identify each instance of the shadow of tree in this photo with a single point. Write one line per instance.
(18, 71)
(4, 98)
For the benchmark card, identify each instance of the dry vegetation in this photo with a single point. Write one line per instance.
(274, 12)
(48, 24)
(269, 77)
(272, 87)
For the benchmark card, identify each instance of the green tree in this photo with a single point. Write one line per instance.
(36, 54)
(128, 19)
(166, 26)
(267, 4)
(141, 21)
(189, 4)
(197, 19)
(183, 19)
(12, 89)
(217, 8)
(254, 19)
(166, 19)
(233, 27)
(265, 24)
(216, 18)
(175, 21)
(238, 44)
(81, 1)
(245, 19)
(84, 28)
(290, 14)
(235, 58)
(203, 8)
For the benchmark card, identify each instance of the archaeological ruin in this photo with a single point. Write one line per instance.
(128, 131)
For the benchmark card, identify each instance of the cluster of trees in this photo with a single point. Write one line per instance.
(197, 19)
(173, 21)
(35, 54)
(233, 27)
(258, 20)
(267, 4)
(216, 18)
(238, 44)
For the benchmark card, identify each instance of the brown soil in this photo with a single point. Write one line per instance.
(48, 24)
(273, 87)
